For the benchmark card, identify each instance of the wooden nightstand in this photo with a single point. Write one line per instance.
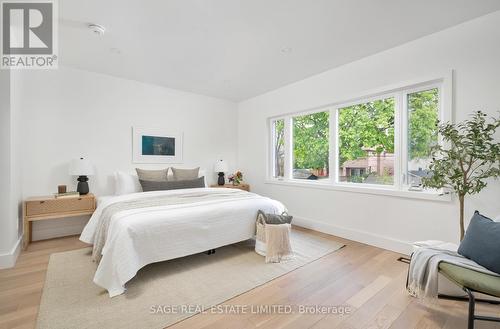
(42, 208)
(244, 187)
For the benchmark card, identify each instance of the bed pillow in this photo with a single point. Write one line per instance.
(481, 242)
(152, 175)
(172, 185)
(185, 174)
(201, 173)
(126, 183)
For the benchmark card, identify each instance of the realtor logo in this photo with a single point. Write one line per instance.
(29, 31)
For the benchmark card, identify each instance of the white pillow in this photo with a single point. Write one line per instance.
(126, 183)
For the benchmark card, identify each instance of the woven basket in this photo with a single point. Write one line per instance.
(260, 237)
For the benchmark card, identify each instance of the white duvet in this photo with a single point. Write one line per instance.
(143, 236)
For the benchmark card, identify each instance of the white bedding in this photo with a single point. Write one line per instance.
(147, 235)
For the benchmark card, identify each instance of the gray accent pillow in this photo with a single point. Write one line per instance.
(185, 174)
(172, 185)
(481, 242)
(152, 175)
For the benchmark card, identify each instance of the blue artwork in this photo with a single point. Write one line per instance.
(155, 145)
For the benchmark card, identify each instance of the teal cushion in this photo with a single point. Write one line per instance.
(482, 242)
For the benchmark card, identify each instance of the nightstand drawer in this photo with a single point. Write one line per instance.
(44, 207)
(242, 186)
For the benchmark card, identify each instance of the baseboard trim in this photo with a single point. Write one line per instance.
(9, 259)
(403, 247)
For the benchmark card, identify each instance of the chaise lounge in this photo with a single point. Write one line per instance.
(472, 281)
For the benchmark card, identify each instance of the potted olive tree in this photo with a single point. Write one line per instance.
(468, 157)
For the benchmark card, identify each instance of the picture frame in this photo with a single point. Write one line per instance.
(156, 145)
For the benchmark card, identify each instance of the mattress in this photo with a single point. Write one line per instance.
(138, 237)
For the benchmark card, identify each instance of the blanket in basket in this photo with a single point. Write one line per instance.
(273, 237)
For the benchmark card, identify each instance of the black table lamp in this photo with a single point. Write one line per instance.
(220, 167)
(81, 168)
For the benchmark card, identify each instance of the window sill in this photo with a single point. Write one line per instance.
(422, 195)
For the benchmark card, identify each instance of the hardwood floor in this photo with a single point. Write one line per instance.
(366, 280)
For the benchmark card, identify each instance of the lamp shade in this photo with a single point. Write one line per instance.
(81, 167)
(220, 166)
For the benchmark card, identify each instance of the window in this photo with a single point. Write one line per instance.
(366, 142)
(381, 142)
(310, 146)
(278, 127)
(423, 115)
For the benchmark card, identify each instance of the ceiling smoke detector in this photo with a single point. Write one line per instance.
(115, 51)
(97, 29)
(286, 50)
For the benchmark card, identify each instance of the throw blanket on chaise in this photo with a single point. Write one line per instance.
(424, 269)
(133, 230)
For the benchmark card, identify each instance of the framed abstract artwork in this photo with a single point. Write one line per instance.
(155, 145)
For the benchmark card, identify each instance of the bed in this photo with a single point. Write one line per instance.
(150, 227)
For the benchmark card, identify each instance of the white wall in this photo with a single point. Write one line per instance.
(16, 162)
(471, 49)
(9, 175)
(5, 140)
(69, 113)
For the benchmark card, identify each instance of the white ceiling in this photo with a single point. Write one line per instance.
(236, 49)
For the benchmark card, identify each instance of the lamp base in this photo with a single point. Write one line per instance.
(83, 186)
(221, 181)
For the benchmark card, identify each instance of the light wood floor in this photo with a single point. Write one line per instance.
(366, 279)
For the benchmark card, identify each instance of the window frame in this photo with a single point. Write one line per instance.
(442, 82)
(292, 159)
(396, 137)
(404, 124)
(272, 149)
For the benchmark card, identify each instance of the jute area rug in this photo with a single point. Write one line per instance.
(71, 300)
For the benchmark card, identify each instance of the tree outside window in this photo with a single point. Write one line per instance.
(366, 142)
(311, 146)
